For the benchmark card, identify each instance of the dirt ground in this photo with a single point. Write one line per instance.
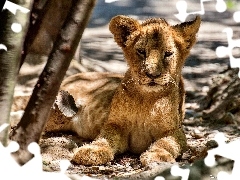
(99, 52)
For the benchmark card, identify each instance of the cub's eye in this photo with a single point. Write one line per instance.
(141, 52)
(167, 54)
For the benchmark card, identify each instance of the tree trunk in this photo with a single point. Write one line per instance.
(35, 22)
(36, 113)
(2, 2)
(44, 27)
(9, 60)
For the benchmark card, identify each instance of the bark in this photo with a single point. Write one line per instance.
(9, 60)
(36, 113)
(222, 104)
(2, 2)
(198, 170)
(47, 18)
(34, 26)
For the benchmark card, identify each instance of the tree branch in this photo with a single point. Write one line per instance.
(9, 60)
(36, 114)
(35, 22)
(47, 18)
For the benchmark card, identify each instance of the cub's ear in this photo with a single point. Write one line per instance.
(121, 27)
(188, 31)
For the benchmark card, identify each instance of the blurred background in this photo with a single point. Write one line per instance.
(98, 52)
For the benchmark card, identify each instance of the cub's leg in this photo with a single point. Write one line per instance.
(96, 153)
(102, 150)
(166, 149)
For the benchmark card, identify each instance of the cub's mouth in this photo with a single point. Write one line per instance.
(165, 81)
(152, 83)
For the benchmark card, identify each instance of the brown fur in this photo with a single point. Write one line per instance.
(142, 114)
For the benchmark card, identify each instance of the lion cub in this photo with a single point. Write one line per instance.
(141, 112)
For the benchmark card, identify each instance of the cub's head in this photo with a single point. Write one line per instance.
(154, 50)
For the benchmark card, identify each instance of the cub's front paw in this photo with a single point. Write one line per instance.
(161, 155)
(93, 154)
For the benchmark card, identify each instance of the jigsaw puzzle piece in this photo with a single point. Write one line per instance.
(236, 16)
(229, 151)
(32, 169)
(159, 178)
(177, 171)
(110, 1)
(182, 8)
(2, 2)
(7, 163)
(234, 175)
(222, 51)
(221, 6)
(2, 46)
(12, 7)
(33, 166)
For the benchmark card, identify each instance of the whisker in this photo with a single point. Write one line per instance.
(173, 81)
(167, 79)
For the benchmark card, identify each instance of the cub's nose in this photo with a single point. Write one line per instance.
(153, 75)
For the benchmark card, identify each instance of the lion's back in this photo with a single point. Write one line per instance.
(93, 93)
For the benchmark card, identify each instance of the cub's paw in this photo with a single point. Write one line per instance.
(93, 154)
(150, 157)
